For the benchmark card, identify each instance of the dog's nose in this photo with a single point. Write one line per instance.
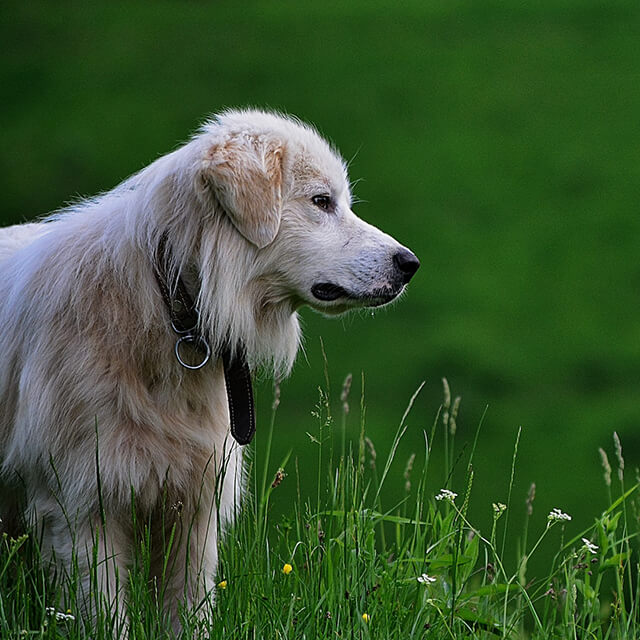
(407, 263)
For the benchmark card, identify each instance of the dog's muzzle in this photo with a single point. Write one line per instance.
(404, 265)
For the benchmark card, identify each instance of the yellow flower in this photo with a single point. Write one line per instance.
(222, 584)
(287, 569)
(366, 617)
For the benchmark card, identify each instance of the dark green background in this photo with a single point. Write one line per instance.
(499, 140)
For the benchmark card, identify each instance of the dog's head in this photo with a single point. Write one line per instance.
(287, 193)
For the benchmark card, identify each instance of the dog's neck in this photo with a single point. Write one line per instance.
(184, 320)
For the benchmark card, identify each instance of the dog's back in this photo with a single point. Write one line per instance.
(14, 238)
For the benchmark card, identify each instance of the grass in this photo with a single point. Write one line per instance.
(343, 564)
(498, 140)
(515, 157)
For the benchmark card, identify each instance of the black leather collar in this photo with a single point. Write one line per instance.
(185, 322)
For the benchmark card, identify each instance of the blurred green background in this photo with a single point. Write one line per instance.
(499, 140)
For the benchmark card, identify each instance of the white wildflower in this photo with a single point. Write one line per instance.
(589, 546)
(425, 579)
(499, 508)
(66, 617)
(556, 515)
(447, 495)
(61, 616)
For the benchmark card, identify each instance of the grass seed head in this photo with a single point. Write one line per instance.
(278, 478)
(618, 447)
(606, 466)
(454, 414)
(531, 496)
(407, 472)
(344, 396)
(372, 451)
(446, 403)
(276, 396)
(498, 510)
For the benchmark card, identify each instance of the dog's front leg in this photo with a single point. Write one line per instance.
(190, 579)
(103, 557)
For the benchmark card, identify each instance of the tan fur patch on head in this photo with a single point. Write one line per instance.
(245, 173)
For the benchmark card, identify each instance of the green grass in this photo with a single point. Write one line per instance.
(362, 568)
(499, 140)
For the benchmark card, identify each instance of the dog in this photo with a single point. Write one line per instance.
(130, 323)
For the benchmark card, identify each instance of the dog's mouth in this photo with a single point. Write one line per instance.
(330, 292)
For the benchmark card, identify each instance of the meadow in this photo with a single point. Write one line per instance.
(498, 140)
(343, 563)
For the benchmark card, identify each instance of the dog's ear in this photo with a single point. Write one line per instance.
(245, 174)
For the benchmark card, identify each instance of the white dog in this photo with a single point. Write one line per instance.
(130, 322)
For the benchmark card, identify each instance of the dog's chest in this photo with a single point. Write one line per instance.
(179, 446)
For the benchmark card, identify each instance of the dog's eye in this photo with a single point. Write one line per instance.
(323, 202)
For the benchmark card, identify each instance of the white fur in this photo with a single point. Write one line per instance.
(88, 363)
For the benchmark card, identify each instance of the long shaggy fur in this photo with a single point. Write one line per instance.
(88, 352)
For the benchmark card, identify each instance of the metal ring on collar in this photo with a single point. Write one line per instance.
(197, 342)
